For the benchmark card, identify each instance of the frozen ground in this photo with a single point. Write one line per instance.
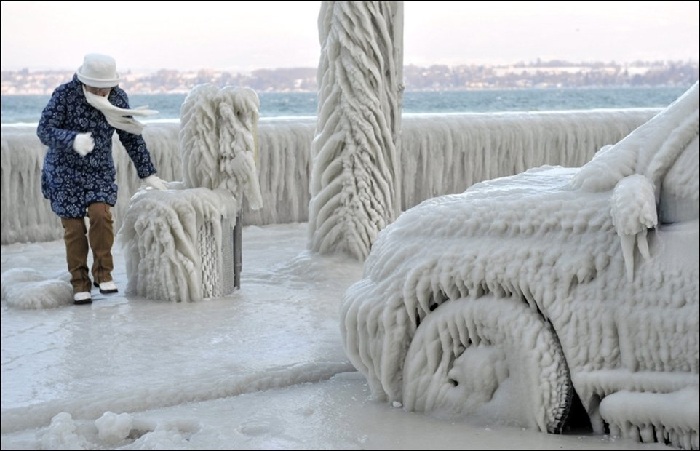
(261, 369)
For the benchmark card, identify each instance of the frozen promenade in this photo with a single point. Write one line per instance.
(262, 369)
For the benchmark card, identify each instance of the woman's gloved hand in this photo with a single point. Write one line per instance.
(155, 182)
(83, 143)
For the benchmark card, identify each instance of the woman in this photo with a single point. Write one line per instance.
(78, 175)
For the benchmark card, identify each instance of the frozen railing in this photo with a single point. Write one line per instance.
(440, 154)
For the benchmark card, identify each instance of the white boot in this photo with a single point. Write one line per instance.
(82, 297)
(108, 287)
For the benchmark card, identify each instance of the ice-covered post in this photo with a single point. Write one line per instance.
(354, 183)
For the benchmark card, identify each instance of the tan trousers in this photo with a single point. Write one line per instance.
(101, 239)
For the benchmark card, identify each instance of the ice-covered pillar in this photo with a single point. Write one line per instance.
(354, 183)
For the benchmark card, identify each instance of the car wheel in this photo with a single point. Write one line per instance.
(491, 357)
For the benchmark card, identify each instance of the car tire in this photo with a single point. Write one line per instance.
(489, 357)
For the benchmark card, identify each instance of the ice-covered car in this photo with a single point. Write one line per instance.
(551, 299)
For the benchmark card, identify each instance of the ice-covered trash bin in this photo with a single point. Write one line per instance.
(179, 244)
(184, 244)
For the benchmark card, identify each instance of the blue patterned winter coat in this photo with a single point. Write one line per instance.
(72, 182)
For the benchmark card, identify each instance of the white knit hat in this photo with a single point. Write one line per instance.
(98, 71)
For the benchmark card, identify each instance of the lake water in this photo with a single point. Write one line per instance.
(26, 109)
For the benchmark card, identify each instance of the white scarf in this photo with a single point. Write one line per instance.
(119, 117)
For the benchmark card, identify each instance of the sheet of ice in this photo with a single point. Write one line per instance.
(262, 369)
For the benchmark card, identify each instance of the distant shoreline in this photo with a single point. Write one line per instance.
(434, 78)
(436, 91)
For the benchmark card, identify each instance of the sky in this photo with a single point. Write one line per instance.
(242, 36)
